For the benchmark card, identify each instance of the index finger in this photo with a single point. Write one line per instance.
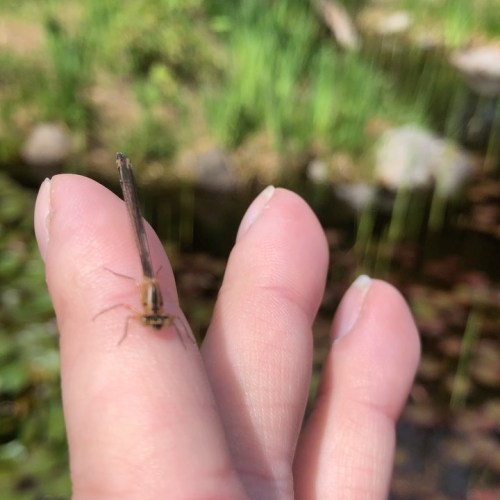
(136, 411)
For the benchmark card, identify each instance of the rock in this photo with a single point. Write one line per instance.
(317, 171)
(213, 170)
(480, 68)
(357, 195)
(48, 145)
(410, 157)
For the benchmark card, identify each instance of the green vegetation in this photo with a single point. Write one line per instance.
(285, 78)
(456, 21)
(157, 48)
(200, 70)
(31, 421)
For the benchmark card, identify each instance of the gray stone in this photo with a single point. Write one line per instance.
(213, 170)
(480, 68)
(317, 171)
(410, 157)
(358, 195)
(48, 145)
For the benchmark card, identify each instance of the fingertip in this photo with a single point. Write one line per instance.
(347, 447)
(350, 307)
(381, 350)
(255, 209)
(400, 336)
(281, 232)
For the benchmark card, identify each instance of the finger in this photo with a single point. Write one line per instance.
(135, 411)
(259, 345)
(347, 448)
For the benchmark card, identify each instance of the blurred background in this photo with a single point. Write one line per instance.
(384, 115)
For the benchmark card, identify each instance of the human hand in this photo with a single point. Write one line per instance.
(156, 418)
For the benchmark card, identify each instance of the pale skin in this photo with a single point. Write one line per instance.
(157, 418)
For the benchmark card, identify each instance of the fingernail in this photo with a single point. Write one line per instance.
(255, 209)
(42, 217)
(350, 307)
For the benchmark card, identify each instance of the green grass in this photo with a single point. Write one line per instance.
(461, 382)
(223, 70)
(286, 77)
(33, 454)
(133, 41)
(252, 67)
(457, 21)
